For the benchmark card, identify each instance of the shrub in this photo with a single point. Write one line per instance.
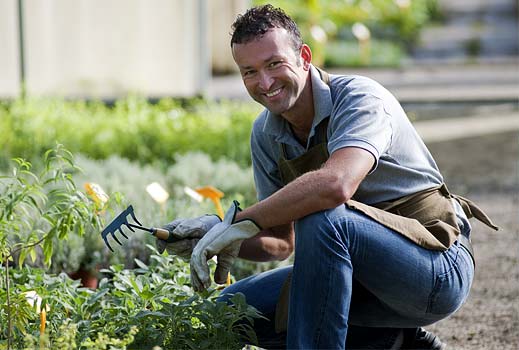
(139, 309)
(395, 23)
(35, 209)
(132, 128)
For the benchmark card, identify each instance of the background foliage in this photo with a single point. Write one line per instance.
(132, 128)
(326, 25)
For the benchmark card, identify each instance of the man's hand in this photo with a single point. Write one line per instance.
(223, 240)
(189, 232)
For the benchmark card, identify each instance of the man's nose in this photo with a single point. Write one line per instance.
(265, 80)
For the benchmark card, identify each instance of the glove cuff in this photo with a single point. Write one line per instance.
(244, 229)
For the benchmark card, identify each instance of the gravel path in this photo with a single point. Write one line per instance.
(486, 169)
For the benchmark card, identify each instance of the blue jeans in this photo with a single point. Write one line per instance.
(351, 271)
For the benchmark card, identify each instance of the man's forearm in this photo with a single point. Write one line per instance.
(274, 244)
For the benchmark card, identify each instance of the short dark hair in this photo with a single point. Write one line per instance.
(260, 19)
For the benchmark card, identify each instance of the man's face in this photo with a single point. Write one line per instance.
(273, 73)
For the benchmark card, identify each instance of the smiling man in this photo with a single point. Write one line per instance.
(344, 182)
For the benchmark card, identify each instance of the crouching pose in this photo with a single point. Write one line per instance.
(346, 184)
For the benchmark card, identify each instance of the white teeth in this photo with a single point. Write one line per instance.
(273, 93)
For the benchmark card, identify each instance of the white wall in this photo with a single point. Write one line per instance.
(9, 50)
(107, 48)
(223, 14)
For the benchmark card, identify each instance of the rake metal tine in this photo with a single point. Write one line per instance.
(131, 212)
(125, 223)
(108, 245)
(115, 237)
(122, 232)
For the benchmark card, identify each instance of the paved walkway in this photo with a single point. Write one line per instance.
(472, 31)
(457, 128)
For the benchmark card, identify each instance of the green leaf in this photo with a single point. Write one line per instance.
(141, 264)
(22, 257)
(33, 254)
(94, 299)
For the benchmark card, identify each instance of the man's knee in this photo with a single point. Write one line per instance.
(322, 226)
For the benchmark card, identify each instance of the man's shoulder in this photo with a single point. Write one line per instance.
(354, 82)
(345, 87)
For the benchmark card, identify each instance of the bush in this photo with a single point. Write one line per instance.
(147, 306)
(139, 309)
(347, 53)
(129, 179)
(398, 22)
(132, 128)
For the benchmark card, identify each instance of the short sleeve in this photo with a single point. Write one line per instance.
(359, 119)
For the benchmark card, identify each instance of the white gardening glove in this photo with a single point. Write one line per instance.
(187, 233)
(223, 240)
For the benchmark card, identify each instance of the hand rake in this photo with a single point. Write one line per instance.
(121, 219)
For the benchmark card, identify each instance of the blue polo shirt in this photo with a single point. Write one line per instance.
(362, 114)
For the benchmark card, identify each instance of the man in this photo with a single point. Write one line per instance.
(344, 181)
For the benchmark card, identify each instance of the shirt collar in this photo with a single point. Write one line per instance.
(278, 127)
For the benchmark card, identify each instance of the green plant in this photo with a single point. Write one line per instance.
(35, 209)
(398, 22)
(132, 128)
(196, 169)
(152, 305)
(347, 53)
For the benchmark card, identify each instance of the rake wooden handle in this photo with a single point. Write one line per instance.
(163, 234)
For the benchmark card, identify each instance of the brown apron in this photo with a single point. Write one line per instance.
(427, 218)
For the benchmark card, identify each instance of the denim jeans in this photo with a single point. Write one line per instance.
(352, 272)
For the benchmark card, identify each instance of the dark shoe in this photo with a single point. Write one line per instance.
(363, 338)
(419, 338)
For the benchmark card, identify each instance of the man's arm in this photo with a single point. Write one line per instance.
(276, 243)
(322, 189)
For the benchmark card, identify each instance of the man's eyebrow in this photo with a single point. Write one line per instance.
(273, 57)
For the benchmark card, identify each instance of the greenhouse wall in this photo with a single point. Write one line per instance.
(107, 49)
(9, 51)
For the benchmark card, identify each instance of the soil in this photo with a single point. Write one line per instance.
(486, 170)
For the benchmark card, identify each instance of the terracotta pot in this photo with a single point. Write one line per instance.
(88, 278)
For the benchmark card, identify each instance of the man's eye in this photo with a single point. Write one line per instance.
(274, 64)
(248, 73)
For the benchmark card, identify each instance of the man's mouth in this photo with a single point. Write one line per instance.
(273, 93)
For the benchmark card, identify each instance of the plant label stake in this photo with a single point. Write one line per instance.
(122, 219)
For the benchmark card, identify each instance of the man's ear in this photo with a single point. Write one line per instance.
(306, 56)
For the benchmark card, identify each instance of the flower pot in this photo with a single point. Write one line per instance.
(88, 278)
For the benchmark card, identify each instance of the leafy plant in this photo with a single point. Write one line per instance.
(195, 169)
(150, 306)
(35, 209)
(119, 175)
(132, 128)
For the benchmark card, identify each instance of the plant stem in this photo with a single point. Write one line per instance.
(27, 246)
(9, 321)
